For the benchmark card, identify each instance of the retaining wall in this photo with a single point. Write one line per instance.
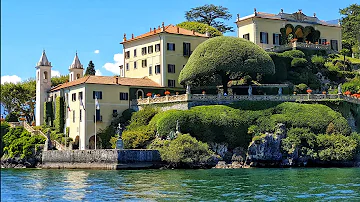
(101, 159)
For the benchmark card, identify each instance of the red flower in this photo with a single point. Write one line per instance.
(148, 94)
(347, 93)
(309, 91)
(167, 92)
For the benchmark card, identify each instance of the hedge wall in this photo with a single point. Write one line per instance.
(48, 113)
(59, 115)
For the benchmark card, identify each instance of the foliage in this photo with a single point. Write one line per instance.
(254, 105)
(353, 85)
(227, 57)
(59, 80)
(183, 149)
(59, 121)
(142, 117)
(301, 88)
(319, 61)
(303, 140)
(350, 24)
(294, 54)
(200, 28)
(3, 130)
(19, 143)
(138, 138)
(336, 147)
(90, 70)
(209, 14)
(12, 117)
(282, 64)
(48, 113)
(298, 62)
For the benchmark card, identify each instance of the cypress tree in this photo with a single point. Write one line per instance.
(90, 70)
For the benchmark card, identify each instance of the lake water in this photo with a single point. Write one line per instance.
(308, 184)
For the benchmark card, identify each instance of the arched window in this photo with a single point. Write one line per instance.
(38, 76)
(139, 94)
(45, 75)
(78, 76)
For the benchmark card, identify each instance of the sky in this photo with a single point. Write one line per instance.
(94, 28)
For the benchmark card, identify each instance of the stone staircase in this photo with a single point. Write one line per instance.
(31, 130)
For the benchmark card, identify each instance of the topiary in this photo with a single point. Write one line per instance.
(294, 54)
(299, 62)
(227, 57)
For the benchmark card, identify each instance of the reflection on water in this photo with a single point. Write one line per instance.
(324, 184)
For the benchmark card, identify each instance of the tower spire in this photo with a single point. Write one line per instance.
(43, 60)
(76, 64)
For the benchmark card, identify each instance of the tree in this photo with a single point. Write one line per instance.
(209, 14)
(90, 70)
(350, 23)
(344, 52)
(200, 28)
(59, 80)
(225, 58)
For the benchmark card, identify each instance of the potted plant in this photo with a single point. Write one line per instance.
(177, 93)
(324, 92)
(203, 92)
(309, 91)
(167, 93)
(347, 93)
(294, 92)
(149, 94)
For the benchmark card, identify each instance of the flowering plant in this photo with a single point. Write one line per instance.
(203, 92)
(167, 92)
(148, 94)
(347, 93)
(324, 92)
(309, 91)
(177, 93)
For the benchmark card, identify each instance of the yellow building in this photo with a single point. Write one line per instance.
(273, 30)
(160, 54)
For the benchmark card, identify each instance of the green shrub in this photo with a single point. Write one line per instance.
(319, 61)
(185, 149)
(142, 117)
(59, 121)
(200, 28)
(282, 65)
(353, 85)
(301, 88)
(336, 147)
(294, 54)
(299, 62)
(138, 138)
(303, 140)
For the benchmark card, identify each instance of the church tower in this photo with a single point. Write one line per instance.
(43, 85)
(76, 69)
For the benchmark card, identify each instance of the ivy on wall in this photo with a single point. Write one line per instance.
(48, 113)
(59, 114)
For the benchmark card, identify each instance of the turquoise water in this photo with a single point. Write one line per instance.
(310, 184)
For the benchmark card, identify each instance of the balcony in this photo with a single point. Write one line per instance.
(302, 45)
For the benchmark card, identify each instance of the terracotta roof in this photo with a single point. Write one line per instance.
(109, 80)
(170, 29)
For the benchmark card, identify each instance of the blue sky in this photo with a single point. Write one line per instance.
(62, 27)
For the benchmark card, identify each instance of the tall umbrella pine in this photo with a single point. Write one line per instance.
(226, 58)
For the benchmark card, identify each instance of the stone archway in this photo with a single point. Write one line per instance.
(139, 94)
(92, 142)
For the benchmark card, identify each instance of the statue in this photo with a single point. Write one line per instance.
(188, 91)
(177, 127)
(280, 91)
(48, 143)
(250, 90)
(119, 141)
(339, 89)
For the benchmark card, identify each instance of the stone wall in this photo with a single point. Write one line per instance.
(101, 159)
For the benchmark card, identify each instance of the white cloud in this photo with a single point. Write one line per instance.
(114, 67)
(98, 72)
(10, 79)
(55, 73)
(96, 51)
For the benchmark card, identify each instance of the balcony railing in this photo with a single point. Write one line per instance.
(296, 44)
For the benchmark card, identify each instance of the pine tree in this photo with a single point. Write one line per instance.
(90, 70)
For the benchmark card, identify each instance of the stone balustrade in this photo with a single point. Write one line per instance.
(296, 44)
(205, 97)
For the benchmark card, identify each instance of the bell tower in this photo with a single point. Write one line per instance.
(43, 85)
(76, 69)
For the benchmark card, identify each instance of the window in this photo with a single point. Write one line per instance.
(246, 36)
(73, 116)
(98, 94)
(45, 75)
(80, 95)
(77, 76)
(334, 45)
(276, 39)
(73, 97)
(135, 53)
(157, 47)
(171, 46)
(322, 41)
(264, 37)
(127, 66)
(157, 69)
(150, 49)
(135, 65)
(98, 116)
(124, 96)
(144, 63)
(186, 49)
(171, 83)
(80, 115)
(127, 54)
(143, 51)
(150, 70)
(171, 68)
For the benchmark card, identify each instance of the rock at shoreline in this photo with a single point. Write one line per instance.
(32, 162)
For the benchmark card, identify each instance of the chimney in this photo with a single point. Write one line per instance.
(238, 17)
(154, 30)
(255, 12)
(117, 80)
(150, 29)
(132, 36)
(124, 37)
(314, 14)
(282, 11)
(178, 29)
(162, 27)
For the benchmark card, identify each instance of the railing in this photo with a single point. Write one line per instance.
(205, 97)
(296, 44)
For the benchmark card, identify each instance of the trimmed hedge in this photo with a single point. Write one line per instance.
(200, 28)
(59, 121)
(48, 113)
(294, 54)
(299, 62)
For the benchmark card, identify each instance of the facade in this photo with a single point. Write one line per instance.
(160, 54)
(272, 30)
